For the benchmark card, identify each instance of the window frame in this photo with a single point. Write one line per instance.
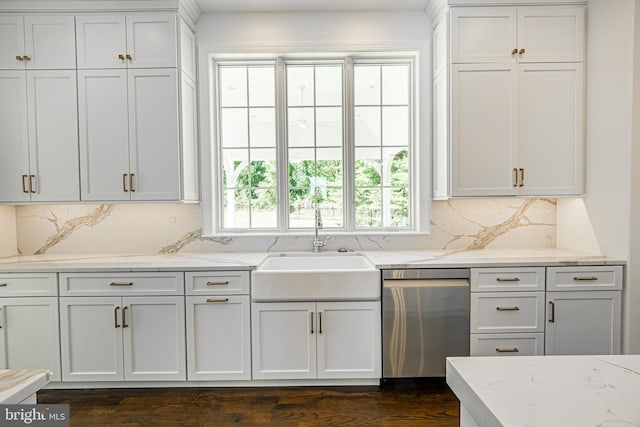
(419, 146)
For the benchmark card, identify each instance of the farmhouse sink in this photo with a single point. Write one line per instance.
(315, 277)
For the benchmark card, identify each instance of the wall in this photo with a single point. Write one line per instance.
(8, 239)
(633, 294)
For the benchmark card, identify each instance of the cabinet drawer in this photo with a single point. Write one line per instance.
(217, 283)
(28, 284)
(584, 278)
(507, 312)
(507, 279)
(97, 284)
(507, 344)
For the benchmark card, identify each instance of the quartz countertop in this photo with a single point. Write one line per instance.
(17, 385)
(250, 260)
(578, 391)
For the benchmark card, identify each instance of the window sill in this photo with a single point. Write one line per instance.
(323, 233)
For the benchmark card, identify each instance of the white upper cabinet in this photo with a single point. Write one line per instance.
(524, 34)
(37, 42)
(132, 41)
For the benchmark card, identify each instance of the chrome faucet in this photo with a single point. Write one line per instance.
(317, 242)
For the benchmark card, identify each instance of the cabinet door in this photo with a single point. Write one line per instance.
(551, 34)
(189, 128)
(31, 334)
(586, 322)
(283, 340)
(483, 34)
(218, 338)
(349, 340)
(153, 134)
(101, 41)
(53, 135)
(14, 161)
(91, 338)
(104, 139)
(152, 41)
(11, 42)
(154, 338)
(50, 42)
(483, 130)
(551, 128)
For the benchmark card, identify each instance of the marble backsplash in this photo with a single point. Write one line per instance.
(173, 228)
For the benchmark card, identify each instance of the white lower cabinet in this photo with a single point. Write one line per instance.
(123, 338)
(306, 340)
(507, 344)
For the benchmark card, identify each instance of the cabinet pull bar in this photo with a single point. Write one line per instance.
(129, 57)
(115, 317)
(2, 285)
(311, 322)
(32, 180)
(507, 279)
(226, 282)
(320, 322)
(514, 51)
(19, 58)
(124, 317)
(24, 184)
(507, 350)
(121, 57)
(553, 312)
(579, 278)
(521, 51)
(514, 308)
(515, 177)
(521, 178)
(121, 284)
(218, 300)
(131, 187)
(27, 58)
(124, 183)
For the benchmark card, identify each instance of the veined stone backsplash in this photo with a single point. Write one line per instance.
(174, 228)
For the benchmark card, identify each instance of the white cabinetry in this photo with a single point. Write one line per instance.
(29, 329)
(122, 334)
(316, 340)
(507, 311)
(583, 310)
(218, 325)
(516, 102)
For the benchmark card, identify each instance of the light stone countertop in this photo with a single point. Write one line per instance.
(249, 260)
(17, 385)
(532, 391)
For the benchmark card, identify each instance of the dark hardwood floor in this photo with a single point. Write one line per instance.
(395, 403)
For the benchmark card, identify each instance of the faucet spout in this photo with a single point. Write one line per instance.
(317, 241)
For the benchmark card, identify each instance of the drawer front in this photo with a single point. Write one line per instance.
(507, 344)
(584, 278)
(217, 283)
(103, 284)
(28, 284)
(507, 312)
(526, 279)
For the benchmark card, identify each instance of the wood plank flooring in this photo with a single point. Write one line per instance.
(396, 403)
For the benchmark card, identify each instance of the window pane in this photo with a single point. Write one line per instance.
(399, 207)
(300, 127)
(367, 170)
(329, 126)
(331, 207)
(300, 88)
(399, 166)
(262, 127)
(301, 167)
(233, 86)
(262, 87)
(366, 84)
(263, 168)
(395, 126)
(236, 208)
(395, 84)
(367, 125)
(368, 202)
(329, 85)
(234, 127)
(263, 208)
(301, 208)
(234, 165)
(329, 166)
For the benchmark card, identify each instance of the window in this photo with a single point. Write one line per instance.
(294, 135)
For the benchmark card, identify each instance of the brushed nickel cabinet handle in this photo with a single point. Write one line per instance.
(124, 317)
(129, 57)
(585, 279)
(121, 57)
(24, 184)
(514, 308)
(218, 283)
(553, 312)
(32, 186)
(521, 51)
(124, 183)
(121, 284)
(507, 350)
(115, 317)
(320, 322)
(131, 188)
(521, 178)
(218, 300)
(514, 51)
(507, 279)
(19, 58)
(311, 322)
(515, 177)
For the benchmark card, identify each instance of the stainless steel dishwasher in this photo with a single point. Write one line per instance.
(425, 318)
